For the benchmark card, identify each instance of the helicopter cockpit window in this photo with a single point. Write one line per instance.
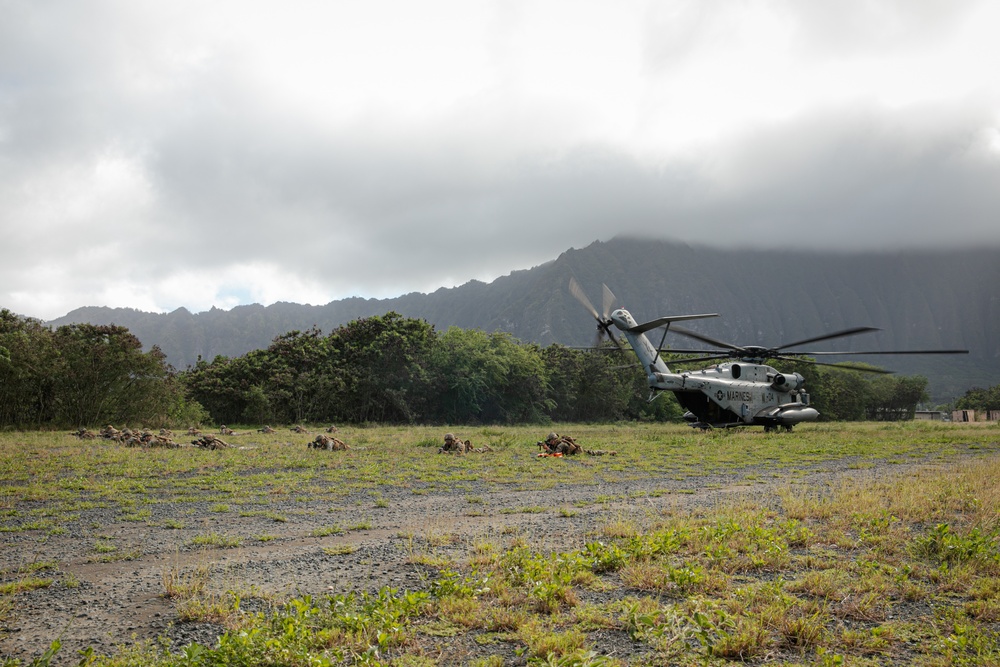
(737, 371)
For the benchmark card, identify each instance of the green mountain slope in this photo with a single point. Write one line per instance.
(927, 299)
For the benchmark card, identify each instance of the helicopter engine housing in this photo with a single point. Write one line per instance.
(790, 382)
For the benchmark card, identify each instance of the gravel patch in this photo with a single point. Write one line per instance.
(106, 605)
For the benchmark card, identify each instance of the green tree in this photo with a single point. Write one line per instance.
(839, 395)
(594, 386)
(103, 375)
(488, 378)
(979, 399)
(894, 398)
(383, 365)
(27, 388)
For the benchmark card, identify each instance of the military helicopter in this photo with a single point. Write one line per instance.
(741, 392)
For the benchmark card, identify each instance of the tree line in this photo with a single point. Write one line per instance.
(379, 369)
(979, 399)
(81, 374)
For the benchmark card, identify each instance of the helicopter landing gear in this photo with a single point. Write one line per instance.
(771, 428)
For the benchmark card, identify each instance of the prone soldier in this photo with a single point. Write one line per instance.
(328, 443)
(559, 444)
(453, 445)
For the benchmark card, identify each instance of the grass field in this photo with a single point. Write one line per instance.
(858, 544)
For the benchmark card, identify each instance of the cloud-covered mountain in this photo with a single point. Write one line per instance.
(920, 300)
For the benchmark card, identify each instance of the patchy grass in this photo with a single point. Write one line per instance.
(214, 539)
(899, 570)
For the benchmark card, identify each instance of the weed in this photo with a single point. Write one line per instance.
(185, 584)
(26, 584)
(213, 539)
(340, 550)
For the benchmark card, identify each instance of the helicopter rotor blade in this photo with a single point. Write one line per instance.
(614, 338)
(844, 366)
(706, 339)
(623, 366)
(581, 296)
(609, 301)
(692, 360)
(660, 321)
(837, 334)
(816, 354)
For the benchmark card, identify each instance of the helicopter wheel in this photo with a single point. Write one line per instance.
(788, 428)
(768, 428)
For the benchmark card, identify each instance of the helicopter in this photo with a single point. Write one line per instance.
(740, 390)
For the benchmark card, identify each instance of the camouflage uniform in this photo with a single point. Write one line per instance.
(453, 445)
(560, 444)
(328, 443)
(209, 441)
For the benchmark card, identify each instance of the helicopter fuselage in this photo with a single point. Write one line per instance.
(739, 393)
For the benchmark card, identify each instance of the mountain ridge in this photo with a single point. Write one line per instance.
(920, 300)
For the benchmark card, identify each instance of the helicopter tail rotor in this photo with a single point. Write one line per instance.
(604, 322)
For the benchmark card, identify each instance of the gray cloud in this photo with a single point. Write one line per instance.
(168, 181)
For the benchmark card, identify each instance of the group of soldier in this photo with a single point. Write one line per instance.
(553, 445)
(130, 438)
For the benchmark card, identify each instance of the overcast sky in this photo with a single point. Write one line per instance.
(165, 154)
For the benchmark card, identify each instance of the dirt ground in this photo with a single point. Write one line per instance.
(109, 604)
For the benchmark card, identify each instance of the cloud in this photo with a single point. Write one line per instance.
(158, 156)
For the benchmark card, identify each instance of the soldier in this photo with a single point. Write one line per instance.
(162, 441)
(266, 429)
(298, 429)
(559, 444)
(453, 445)
(328, 443)
(209, 441)
(225, 430)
